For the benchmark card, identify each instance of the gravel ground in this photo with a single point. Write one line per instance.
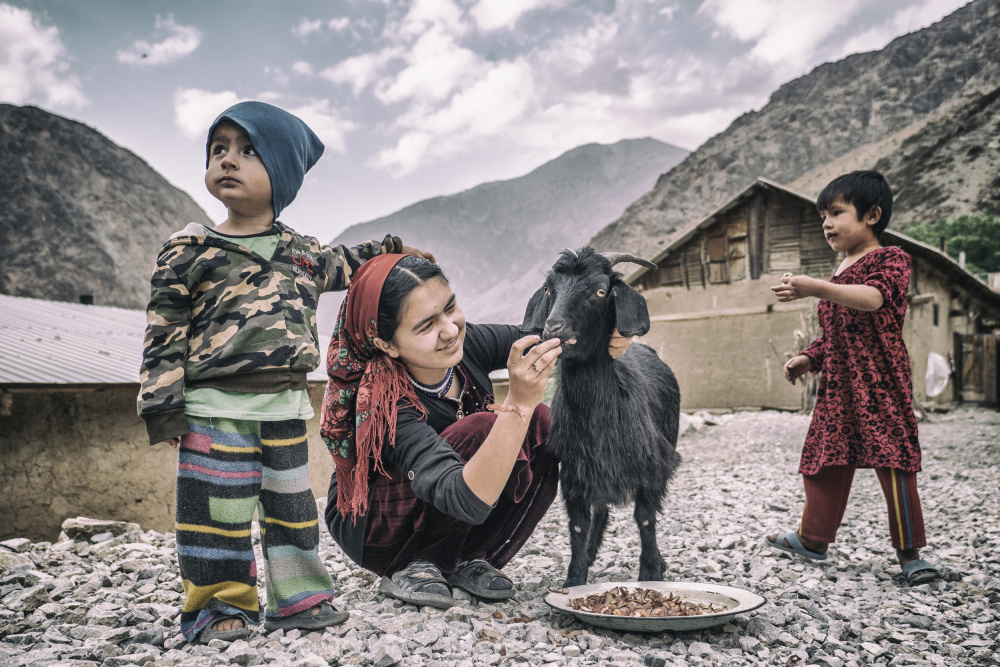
(113, 600)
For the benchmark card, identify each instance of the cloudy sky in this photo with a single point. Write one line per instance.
(427, 97)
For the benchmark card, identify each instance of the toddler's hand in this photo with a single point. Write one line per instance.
(409, 250)
(797, 366)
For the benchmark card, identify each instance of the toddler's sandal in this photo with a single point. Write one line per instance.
(306, 620)
(208, 634)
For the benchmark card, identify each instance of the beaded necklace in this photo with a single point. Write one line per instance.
(438, 390)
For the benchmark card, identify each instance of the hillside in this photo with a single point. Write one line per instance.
(945, 166)
(830, 112)
(498, 232)
(80, 215)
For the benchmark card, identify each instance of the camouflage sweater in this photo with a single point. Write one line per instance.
(224, 317)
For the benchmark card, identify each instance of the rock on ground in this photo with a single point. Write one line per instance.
(112, 597)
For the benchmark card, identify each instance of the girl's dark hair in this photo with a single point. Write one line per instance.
(409, 273)
(865, 191)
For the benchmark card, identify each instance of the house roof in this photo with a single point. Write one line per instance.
(914, 247)
(54, 344)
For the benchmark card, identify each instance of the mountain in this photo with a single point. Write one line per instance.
(499, 232)
(946, 165)
(834, 110)
(80, 215)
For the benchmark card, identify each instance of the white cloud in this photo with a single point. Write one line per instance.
(34, 63)
(905, 20)
(785, 32)
(179, 41)
(302, 68)
(195, 109)
(437, 66)
(425, 14)
(339, 24)
(360, 71)
(484, 110)
(495, 14)
(306, 28)
(326, 123)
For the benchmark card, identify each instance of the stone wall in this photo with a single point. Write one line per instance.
(68, 454)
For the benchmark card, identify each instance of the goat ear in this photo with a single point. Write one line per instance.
(631, 313)
(535, 314)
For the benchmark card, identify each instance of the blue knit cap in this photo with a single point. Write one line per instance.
(286, 145)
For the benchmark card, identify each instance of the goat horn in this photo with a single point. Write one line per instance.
(571, 251)
(619, 257)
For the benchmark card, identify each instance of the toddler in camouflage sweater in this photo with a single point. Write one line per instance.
(230, 337)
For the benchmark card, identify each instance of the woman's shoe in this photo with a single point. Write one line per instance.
(418, 583)
(483, 580)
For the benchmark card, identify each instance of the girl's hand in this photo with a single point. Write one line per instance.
(409, 250)
(794, 287)
(796, 367)
(530, 372)
(618, 345)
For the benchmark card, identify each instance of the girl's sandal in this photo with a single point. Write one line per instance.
(419, 583)
(482, 580)
(794, 546)
(919, 572)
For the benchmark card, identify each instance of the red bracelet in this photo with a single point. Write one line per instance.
(507, 408)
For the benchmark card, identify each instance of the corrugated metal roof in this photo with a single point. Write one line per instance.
(57, 343)
(53, 342)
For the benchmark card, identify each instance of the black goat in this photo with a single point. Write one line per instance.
(614, 421)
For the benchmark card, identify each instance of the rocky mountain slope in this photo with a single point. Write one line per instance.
(487, 237)
(944, 166)
(80, 215)
(822, 116)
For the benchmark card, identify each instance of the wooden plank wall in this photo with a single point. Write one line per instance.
(770, 232)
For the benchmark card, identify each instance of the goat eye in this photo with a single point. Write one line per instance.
(602, 293)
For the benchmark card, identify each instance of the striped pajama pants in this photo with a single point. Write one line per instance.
(226, 469)
(826, 500)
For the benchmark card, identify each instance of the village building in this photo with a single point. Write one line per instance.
(716, 322)
(71, 443)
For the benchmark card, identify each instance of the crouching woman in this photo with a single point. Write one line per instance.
(432, 489)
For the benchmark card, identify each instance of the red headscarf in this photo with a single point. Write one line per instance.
(365, 390)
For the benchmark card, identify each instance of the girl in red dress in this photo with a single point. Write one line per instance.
(864, 406)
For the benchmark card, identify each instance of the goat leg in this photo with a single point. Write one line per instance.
(651, 563)
(579, 533)
(598, 526)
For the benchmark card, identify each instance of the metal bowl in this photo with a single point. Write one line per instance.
(737, 601)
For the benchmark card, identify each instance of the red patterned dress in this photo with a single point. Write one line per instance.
(864, 406)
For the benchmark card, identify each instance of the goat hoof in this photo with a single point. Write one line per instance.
(573, 581)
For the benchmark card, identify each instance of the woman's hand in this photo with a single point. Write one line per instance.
(530, 372)
(794, 287)
(410, 250)
(618, 345)
(796, 367)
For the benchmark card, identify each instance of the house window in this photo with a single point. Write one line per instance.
(718, 262)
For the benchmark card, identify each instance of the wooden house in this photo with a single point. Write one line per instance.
(719, 326)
